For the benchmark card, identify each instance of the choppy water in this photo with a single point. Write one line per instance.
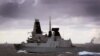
(82, 53)
(86, 53)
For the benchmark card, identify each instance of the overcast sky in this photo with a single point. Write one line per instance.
(77, 19)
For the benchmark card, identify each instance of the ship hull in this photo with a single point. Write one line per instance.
(44, 49)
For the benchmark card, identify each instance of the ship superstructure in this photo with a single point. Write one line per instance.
(45, 43)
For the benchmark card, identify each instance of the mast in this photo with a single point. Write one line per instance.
(50, 31)
(49, 23)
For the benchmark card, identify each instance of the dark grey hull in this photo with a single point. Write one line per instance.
(47, 49)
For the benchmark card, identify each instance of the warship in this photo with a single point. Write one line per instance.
(39, 42)
(51, 44)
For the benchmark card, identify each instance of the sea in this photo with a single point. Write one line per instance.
(82, 53)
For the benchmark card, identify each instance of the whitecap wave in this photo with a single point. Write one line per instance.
(86, 53)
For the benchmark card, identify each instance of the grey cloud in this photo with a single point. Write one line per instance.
(15, 9)
(88, 9)
(60, 7)
(9, 10)
(93, 8)
(82, 8)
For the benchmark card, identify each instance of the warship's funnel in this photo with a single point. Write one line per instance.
(37, 27)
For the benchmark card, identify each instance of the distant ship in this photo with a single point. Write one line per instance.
(51, 42)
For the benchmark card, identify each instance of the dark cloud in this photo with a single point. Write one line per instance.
(29, 9)
(88, 9)
(9, 10)
(82, 8)
(93, 8)
(56, 8)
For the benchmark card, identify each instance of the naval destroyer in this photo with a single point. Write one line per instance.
(39, 42)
